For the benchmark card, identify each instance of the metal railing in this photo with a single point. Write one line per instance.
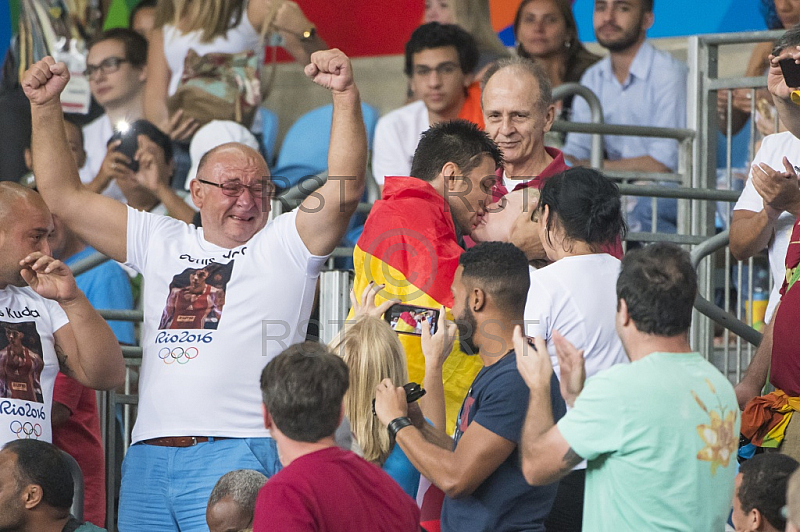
(719, 273)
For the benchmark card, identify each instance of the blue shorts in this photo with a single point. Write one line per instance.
(167, 488)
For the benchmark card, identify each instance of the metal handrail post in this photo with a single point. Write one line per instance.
(334, 303)
(595, 112)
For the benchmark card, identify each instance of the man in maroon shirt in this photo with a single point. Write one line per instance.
(517, 112)
(321, 487)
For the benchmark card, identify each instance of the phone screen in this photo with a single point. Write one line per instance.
(791, 72)
(409, 319)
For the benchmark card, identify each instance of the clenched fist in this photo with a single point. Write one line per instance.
(44, 81)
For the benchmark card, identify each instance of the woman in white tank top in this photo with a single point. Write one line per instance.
(182, 25)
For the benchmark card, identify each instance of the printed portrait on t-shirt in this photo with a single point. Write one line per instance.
(196, 297)
(21, 362)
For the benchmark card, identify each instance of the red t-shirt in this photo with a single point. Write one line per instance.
(333, 490)
(80, 438)
(785, 370)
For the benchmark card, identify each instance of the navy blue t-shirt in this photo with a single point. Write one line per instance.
(504, 502)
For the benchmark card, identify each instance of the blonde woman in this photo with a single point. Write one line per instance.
(372, 351)
(218, 26)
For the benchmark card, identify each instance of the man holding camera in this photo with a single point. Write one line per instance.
(479, 468)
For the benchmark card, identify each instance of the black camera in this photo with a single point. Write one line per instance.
(129, 135)
(413, 393)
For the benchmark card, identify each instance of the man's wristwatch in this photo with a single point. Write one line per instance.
(397, 424)
(309, 34)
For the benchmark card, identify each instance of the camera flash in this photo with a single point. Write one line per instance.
(122, 126)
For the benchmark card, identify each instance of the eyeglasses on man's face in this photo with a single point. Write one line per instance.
(107, 66)
(234, 189)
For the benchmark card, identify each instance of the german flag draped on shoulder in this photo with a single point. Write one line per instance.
(410, 244)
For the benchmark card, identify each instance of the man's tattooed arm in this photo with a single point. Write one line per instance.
(62, 362)
(570, 460)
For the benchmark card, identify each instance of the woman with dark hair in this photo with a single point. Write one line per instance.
(579, 212)
(546, 32)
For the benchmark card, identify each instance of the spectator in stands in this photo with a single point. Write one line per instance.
(216, 426)
(75, 420)
(580, 212)
(546, 32)
(321, 487)
(372, 353)
(232, 503)
(632, 83)
(48, 323)
(37, 489)
(760, 493)
(660, 433)
(214, 26)
(518, 110)
(474, 17)
(767, 421)
(116, 66)
(770, 202)
(412, 239)
(142, 19)
(148, 189)
(479, 468)
(439, 62)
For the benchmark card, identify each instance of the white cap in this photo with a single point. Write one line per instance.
(213, 134)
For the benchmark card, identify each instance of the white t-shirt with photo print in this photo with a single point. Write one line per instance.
(27, 371)
(239, 308)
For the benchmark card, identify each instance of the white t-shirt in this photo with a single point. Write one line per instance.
(27, 377)
(206, 343)
(773, 149)
(396, 138)
(96, 135)
(577, 297)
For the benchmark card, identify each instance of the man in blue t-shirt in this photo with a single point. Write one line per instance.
(660, 434)
(479, 469)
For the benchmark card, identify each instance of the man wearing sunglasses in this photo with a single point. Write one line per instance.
(199, 414)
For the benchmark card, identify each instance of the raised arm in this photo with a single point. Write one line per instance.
(546, 455)
(157, 85)
(98, 220)
(86, 347)
(323, 217)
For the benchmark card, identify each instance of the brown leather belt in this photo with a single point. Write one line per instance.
(181, 441)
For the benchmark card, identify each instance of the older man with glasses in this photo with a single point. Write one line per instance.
(199, 408)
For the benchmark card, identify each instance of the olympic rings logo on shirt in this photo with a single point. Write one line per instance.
(26, 430)
(178, 354)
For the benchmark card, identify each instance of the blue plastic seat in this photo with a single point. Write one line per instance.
(269, 124)
(304, 151)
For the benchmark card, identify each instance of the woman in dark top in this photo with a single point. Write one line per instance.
(546, 32)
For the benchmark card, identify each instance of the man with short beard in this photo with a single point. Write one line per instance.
(637, 85)
(479, 468)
